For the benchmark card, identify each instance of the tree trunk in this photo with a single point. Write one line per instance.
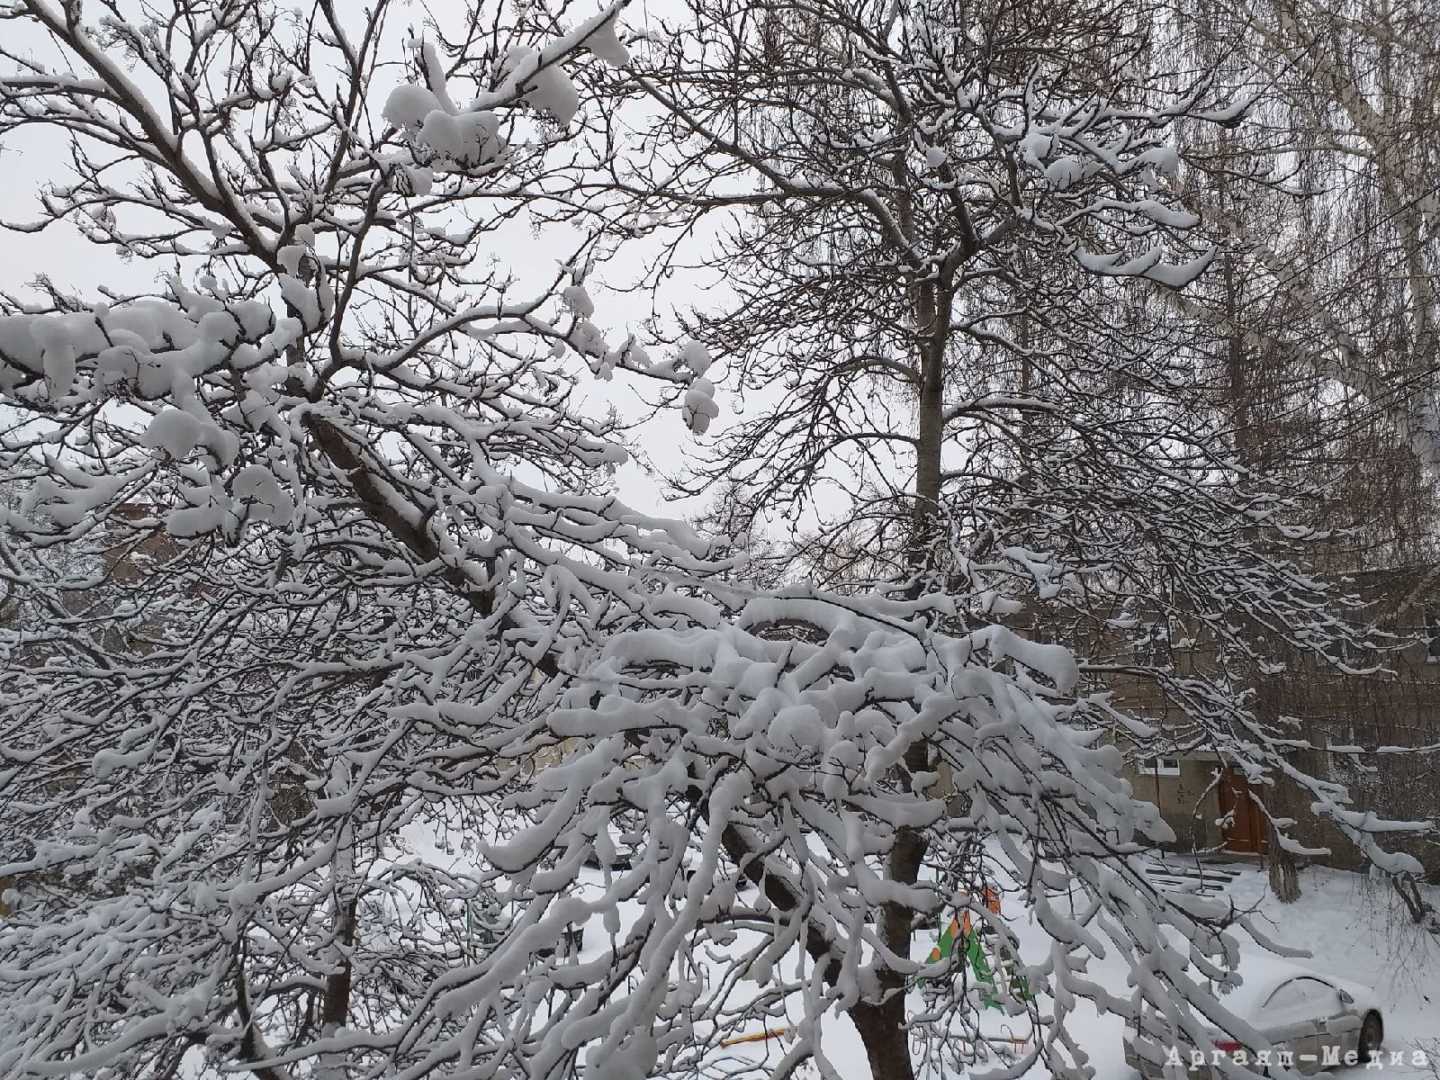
(1284, 876)
(1422, 912)
(882, 1025)
(1250, 449)
(882, 1032)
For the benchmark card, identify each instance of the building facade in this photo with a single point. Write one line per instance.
(1376, 733)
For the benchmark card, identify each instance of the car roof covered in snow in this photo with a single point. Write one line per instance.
(1262, 976)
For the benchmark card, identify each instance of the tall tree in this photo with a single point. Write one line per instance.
(332, 464)
(934, 216)
(1331, 316)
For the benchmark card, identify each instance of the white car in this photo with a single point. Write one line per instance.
(1318, 1020)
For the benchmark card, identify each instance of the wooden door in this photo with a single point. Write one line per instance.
(1246, 830)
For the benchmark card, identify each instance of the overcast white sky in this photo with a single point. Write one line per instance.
(32, 158)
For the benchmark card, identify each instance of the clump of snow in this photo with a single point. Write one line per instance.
(204, 512)
(71, 496)
(635, 1057)
(312, 305)
(408, 105)
(419, 181)
(1063, 173)
(635, 355)
(256, 488)
(1036, 146)
(179, 434)
(695, 356)
(586, 339)
(547, 88)
(1165, 160)
(289, 257)
(578, 301)
(605, 43)
(128, 371)
(1161, 214)
(699, 406)
(58, 354)
(435, 78)
(469, 139)
(1150, 264)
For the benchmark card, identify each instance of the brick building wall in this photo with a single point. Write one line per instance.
(1395, 707)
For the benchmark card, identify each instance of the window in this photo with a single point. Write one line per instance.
(1163, 766)
(1431, 636)
(1151, 644)
(1304, 996)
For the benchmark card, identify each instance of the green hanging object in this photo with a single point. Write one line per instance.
(1019, 985)
(946, 945)
(973, 954)
(978, 964)
(984, 976)
(968, 939)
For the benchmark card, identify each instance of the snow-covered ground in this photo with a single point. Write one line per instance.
(1353, 928)
(1354, 932)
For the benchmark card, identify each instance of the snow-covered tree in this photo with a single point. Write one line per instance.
(934, 218)
(942, 226)
(317, 568)
(335, 462)
(1322, 304)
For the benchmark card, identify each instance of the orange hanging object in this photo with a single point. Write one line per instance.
(948, 937)
(759, 1036)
